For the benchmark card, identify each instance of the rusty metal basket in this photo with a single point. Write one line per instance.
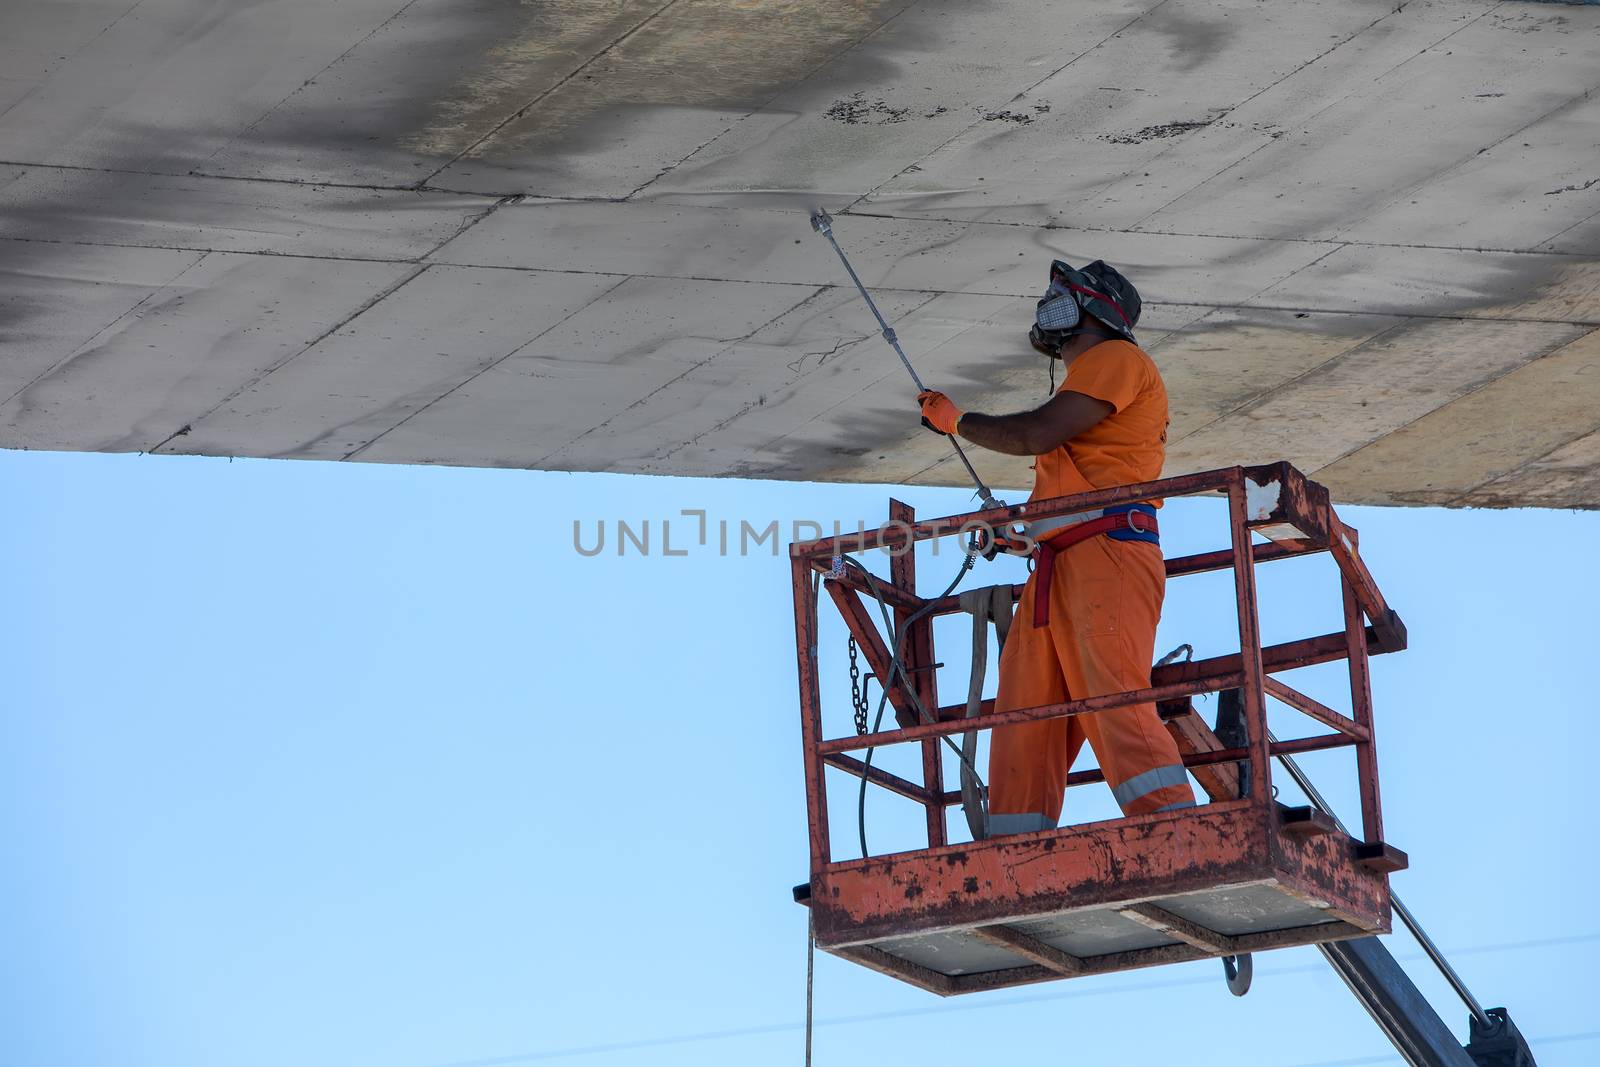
(1240, 874)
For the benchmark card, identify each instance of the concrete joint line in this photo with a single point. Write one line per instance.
(485, 369)
(301, 88)
(365, 307)
(141, 302)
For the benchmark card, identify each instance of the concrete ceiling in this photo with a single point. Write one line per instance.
(571, 234)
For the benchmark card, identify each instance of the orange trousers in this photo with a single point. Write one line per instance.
(1105, 602)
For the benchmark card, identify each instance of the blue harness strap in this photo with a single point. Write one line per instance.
(1147, 534)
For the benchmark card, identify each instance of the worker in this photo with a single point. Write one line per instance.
(1086, 622)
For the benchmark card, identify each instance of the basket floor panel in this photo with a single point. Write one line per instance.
(1240, 910)
(1245, 909)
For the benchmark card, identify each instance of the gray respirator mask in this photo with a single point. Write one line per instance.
(1074, 295)
(1057, 319)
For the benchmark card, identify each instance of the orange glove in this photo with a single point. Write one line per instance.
(939, 412)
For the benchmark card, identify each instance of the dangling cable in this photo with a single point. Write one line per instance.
(811, 955)
(897, 671)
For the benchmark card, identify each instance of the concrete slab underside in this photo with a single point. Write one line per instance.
(572, 234)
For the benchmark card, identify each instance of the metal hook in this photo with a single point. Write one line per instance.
(1239, 970)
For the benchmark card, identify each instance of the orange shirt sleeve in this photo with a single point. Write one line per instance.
(1106, 372)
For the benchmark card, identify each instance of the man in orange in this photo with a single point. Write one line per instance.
(1086, 624)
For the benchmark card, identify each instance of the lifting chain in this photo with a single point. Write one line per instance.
(858, 691)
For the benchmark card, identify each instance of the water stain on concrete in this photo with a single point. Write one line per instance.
(555, 40)
(575, 59)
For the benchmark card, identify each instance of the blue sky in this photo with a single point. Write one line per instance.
(339, 764)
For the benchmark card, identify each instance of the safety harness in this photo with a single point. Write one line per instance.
(1125, 522)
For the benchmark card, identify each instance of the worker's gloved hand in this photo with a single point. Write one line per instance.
(939, 412)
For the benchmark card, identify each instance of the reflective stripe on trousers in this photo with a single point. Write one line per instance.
(1026, 823)
(1148, 782)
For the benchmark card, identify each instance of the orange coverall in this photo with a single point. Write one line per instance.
(1105, 602)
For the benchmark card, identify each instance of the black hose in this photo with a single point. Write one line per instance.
(897, 670)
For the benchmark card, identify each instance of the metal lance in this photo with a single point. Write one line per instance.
(822, 222)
